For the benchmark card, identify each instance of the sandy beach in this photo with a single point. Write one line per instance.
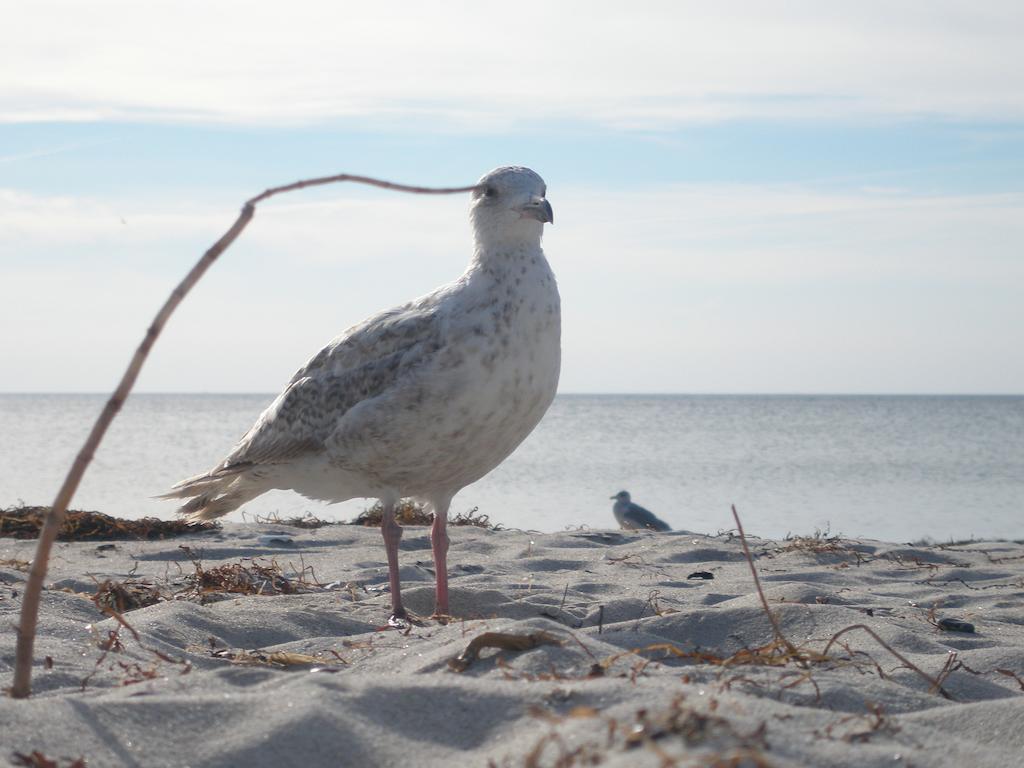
(622, 649)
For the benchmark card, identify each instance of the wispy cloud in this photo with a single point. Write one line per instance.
(37, 153)
(465, 64)
(705, 287)
(37, 221)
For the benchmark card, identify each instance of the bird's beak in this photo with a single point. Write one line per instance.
(540, 209)
(613, 497)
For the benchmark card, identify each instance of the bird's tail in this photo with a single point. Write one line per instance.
(214, 494)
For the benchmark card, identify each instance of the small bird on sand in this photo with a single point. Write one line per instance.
(634, 517)
(421, 400)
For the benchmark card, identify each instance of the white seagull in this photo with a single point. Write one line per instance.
(633, 517)
(421, 400)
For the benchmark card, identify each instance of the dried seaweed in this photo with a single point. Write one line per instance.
(673, 734)
(79, 525)
(823, 544)
(409, 512)
(774, 654)
(791, 650)
(128, 595)
(781, 651)
(931, 582)
(694, 727)
(247, 577)
(474, 518)
(133, 671)
(934, 684)
(308, 520)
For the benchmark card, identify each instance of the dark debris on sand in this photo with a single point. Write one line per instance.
(409, 512)
(204, 585)
(26, 522)
(247, 577)
(128, 595)
(308, 520)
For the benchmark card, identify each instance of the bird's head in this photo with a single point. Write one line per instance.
(509, 207)
(621, 496)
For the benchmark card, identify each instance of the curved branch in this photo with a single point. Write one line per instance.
(934, 684)
(776, 629)
(22, 686)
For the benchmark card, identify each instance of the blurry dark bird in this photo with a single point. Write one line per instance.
(634, 517)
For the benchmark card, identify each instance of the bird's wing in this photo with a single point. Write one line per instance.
(645, 518)
(361, 363)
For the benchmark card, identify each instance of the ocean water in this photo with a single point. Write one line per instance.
(896, 468)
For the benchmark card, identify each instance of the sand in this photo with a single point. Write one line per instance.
(201, 684)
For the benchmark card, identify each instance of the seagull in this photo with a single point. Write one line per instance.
(633, 517)
(420, 400)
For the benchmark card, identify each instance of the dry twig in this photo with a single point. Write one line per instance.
(934, 685)
(22, 686)
(779, 637)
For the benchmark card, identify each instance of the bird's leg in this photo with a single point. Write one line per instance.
(439, 545)
(392, 533)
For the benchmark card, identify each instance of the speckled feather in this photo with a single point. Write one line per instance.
(423, 399)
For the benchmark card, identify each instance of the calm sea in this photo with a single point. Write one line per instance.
(892, 468)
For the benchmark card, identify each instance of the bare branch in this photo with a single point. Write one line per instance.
(757, 583)
(22, 686)
(934, 684)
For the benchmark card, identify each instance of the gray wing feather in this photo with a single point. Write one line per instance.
(360, 364)
(644, 518)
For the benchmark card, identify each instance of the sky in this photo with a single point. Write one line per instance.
(750, 197)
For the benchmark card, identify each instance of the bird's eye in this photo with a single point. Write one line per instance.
(490, 192)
